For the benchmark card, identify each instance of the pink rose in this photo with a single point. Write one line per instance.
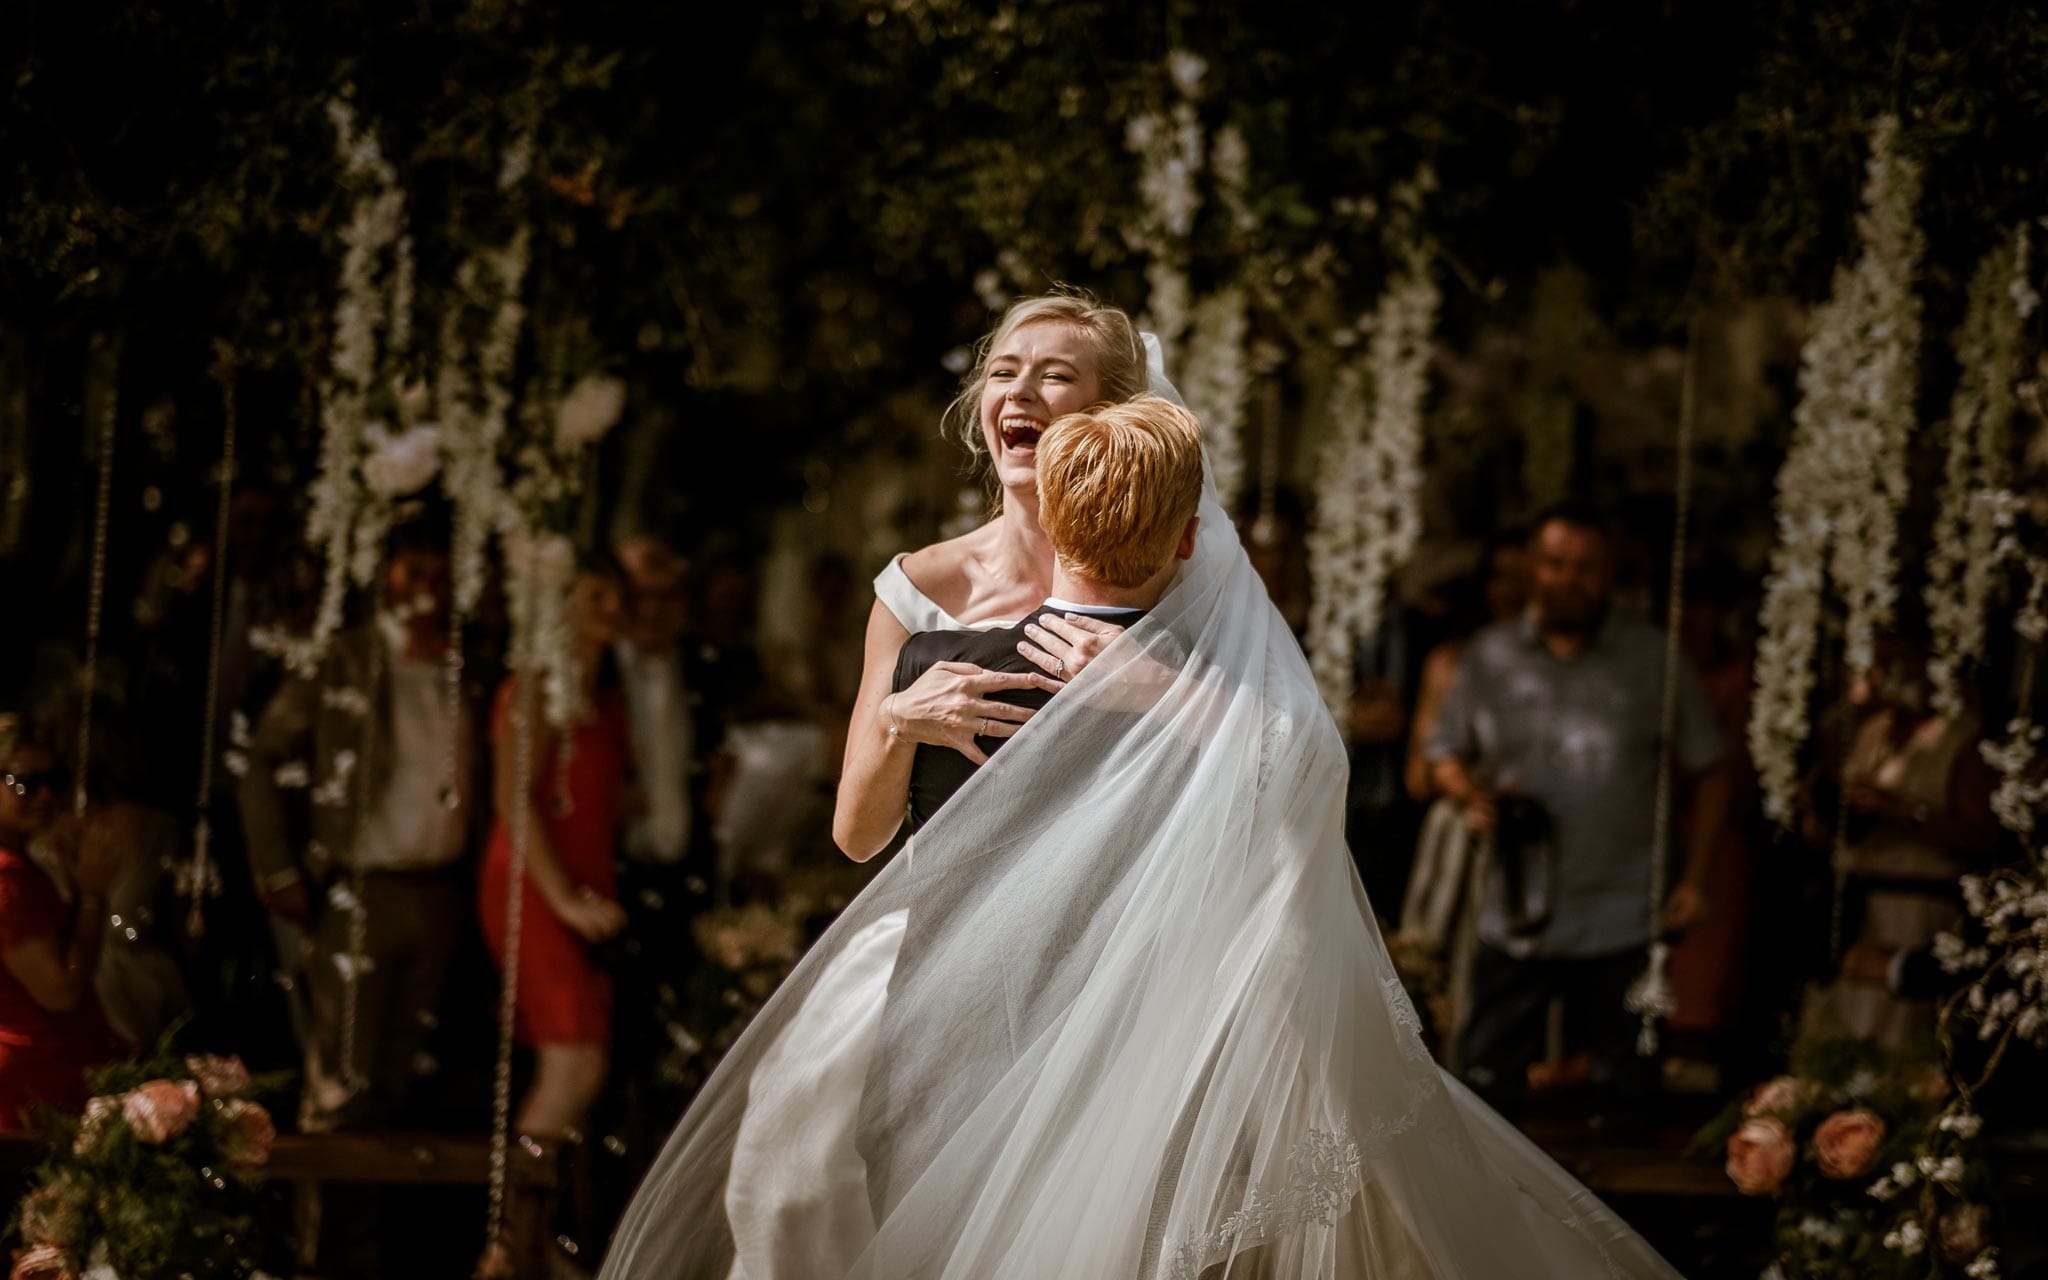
(218, 1077)
(1781, 1097)
(161, 1110)
(52, 1215)
(99, 1114)
(1760, 1156)
(43, 1262)
(1847, 1143)
(245, 1142)
(1965, 1232)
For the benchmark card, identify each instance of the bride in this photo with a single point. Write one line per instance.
(1137, 1022)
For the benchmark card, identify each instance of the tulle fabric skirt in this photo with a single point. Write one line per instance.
(797, 1199)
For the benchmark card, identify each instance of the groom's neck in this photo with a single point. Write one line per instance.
(1080, 590)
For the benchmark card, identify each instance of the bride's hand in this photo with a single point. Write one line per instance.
(1066, 645)
(948, 706)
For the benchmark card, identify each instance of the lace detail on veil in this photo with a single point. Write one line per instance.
(1273, 736)
(1405, 1018)
(1326, 1169)
(1324, 1174)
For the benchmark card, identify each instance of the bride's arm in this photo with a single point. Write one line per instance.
(947, 706)
(874, 778)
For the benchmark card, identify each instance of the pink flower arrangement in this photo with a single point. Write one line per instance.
(42, 1262)
(218, 1077)
(51, 1215)
(1760, 1156)
(1781, 1097)
(1847, 1143)
(100, 1114)
(246, 1141)
(161, 1109)
(88, 1198)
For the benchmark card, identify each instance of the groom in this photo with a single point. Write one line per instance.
(1118, 488)
(1117, 491)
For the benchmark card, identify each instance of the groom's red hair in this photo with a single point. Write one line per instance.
(1117, 486)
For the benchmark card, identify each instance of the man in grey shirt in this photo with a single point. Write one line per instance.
(1550, 739)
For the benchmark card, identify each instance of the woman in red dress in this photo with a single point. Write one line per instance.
(574, 795)
(51, 1029)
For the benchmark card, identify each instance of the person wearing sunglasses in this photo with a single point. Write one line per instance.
(51, 1028)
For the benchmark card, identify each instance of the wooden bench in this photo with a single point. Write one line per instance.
(533, 1175)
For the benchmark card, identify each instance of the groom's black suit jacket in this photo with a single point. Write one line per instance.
(937, 772)
(897, 1109)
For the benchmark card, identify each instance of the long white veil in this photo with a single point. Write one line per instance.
(1141, 1023)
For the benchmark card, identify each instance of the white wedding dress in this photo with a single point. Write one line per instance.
(1126, 1014)
(797, 1198)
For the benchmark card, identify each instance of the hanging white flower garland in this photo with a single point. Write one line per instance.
(1169, 145)
(1844, 479)
(1367, 515)
(1216, 375)
(1336, 533)
(372, 327)
(1216, 380)
(1960, 574)
(2008, 967)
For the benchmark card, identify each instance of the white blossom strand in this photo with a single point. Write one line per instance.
(1844, 479)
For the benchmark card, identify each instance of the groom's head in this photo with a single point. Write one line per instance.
(1117, 491)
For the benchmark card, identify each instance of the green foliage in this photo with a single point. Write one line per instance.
(778, 213)
(744, 174)
(186, 1204)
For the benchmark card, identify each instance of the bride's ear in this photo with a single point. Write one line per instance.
(1186, 549)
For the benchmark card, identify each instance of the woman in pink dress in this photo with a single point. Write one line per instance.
(574, 793)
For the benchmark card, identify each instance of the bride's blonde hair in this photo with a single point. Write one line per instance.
(1119, 356)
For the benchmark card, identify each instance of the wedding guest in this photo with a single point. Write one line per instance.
(358, 805)
(1500, 593)
(1439, 909)
(660, 878)
(573, 796)
(140, 977)
(378, 767)
(1554, 720)
(768, 793)
(51, 1028)
(829, 678)
(1917, 802)
(1381, 819)
(1710, 964)
(660, 705)
(140, 983)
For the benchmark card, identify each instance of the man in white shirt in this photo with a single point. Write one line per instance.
(359, 802)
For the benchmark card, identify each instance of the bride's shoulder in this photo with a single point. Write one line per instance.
(942, 571)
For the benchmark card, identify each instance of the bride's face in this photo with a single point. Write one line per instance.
(1039, 373)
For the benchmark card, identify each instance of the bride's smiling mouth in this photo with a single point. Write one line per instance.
(1019, 434)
